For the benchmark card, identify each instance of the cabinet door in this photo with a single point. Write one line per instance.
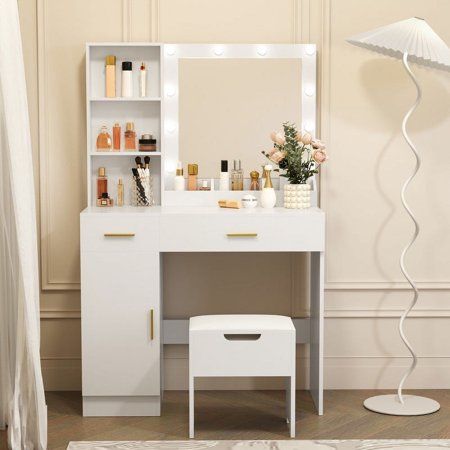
(120, 323)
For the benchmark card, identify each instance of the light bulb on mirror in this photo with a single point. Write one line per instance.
(171, 127)
(170, 50)
(262, 50)
(310, 50)
(309, 91)
(170, 91)
(218, 50)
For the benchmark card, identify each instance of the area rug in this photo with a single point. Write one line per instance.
(432, 444)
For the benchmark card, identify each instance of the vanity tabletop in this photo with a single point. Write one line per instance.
(198, 210)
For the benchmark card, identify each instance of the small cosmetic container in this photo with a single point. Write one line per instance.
(147, 143)
(192, 177)
(104, 141)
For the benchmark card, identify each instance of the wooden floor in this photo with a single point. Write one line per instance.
(245, 415)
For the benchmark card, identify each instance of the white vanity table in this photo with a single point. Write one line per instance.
(121, 247)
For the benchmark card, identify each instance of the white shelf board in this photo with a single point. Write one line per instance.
(134, 153)
(125, 99)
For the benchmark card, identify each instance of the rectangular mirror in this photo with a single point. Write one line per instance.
(222, 102)
(228, 107)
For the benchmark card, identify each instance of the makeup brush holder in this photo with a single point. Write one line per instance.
(142, 191)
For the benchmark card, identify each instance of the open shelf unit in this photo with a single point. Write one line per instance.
(145, 112)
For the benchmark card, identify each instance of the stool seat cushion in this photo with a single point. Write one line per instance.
(241, 323)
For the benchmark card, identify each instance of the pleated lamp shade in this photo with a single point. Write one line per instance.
(413, 36)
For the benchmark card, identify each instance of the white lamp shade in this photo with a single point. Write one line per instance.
(413, 36)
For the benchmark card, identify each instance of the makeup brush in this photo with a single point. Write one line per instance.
(147, 161)
(139, 186)
(139, 166)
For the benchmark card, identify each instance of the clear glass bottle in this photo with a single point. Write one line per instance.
(116, 137)
(130, 137)
(240, 177)
(104, 142)
(234, 177)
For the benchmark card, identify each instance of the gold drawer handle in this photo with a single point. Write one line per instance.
(119, 234)
(242, 234)
(152, 329)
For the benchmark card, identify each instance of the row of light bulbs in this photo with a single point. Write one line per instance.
(219, 50)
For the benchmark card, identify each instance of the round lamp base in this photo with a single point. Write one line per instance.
(413, 405)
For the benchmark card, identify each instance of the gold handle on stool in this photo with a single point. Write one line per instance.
(242, 234)
(151, 325)
(119, 234)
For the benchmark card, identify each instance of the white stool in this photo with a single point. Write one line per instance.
(242, 346)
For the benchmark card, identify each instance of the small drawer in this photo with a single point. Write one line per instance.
(256, 353)
(243, 231)
(116, 233)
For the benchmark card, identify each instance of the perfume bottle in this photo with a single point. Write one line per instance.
(116, 137)
(240, 177)
(102, 182)
(127, 79)
(104, 142)
(234, 177)
(130, 137)
(142, 80)
(268, 196)
(224, 181)
(254, 181)
(120, 193)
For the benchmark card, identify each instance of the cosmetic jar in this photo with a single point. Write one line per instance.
(147, 143)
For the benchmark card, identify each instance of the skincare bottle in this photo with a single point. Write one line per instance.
(142, 80)
(110, 76)
(254, 181)
(268, 196)
(130, 137)
(127, 79)
(179, 178)
(104, 142)
(212, 188)
(192, 177)
(234, 177)
(116, 137)
(120, 193)
(240, 177)
(104, 200)
(102, 182)
(224, 182)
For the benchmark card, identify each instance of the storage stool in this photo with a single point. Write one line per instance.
(242, 346)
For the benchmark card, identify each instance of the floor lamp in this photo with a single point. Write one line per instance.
(409, 40)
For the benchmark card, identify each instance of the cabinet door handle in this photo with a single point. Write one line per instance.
(119, 234)
(152, 326)
(242, 235)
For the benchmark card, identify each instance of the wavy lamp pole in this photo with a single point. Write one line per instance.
(410, 40)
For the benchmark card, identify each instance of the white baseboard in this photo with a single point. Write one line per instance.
(358, 372)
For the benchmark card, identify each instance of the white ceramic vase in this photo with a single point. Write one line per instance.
(297, 196)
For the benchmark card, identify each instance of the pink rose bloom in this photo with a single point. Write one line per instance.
(319, 155)
(273, 136)
(277, 156)
(316, 143)
(298, 136)
(280, 139)
(306, 139)
(272, 151)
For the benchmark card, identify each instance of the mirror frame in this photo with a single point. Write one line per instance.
(172, 53)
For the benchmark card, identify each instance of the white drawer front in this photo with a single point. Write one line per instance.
(241, 232)
(268, 353)
(115, 233)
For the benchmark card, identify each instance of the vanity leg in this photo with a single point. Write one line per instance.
(191, 407)
(292, 406)
(316, 329)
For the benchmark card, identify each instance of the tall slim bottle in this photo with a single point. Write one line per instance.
(268, 196)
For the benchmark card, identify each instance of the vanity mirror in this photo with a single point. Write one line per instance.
(221, 102)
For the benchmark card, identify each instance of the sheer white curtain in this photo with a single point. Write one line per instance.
(22, 401)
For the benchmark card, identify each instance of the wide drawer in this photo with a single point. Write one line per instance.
(260, 353)
(241, 232)
(118, 233)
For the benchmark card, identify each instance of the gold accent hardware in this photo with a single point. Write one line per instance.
(242, 234)
(119, 234)
(152, 333)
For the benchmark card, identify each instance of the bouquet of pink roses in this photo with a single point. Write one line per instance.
(297, 154)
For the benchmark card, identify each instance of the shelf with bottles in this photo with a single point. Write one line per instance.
(122, 168)
(136, 54)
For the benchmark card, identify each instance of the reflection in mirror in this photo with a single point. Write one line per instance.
(228, 107)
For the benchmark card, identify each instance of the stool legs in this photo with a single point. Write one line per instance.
(290, 404)
(191, 407)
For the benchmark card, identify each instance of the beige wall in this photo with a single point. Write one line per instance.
(362, 99)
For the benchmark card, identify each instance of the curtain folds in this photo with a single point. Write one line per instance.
(22, 401)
